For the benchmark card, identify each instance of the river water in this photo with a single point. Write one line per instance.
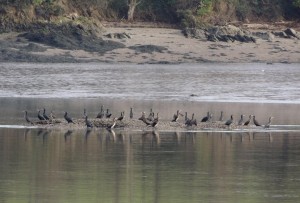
(44, 165)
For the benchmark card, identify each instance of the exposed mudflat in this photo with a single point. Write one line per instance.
(142, 45)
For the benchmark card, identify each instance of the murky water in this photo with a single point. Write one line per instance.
(73, 166)
(133, 166)
(208, 82)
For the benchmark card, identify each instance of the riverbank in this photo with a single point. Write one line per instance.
(125, 43)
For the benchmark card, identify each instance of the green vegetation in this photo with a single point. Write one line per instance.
(187, 13)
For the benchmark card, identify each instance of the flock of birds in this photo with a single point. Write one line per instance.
(150, 120)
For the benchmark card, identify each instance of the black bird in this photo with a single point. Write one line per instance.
(241, 121)
(108, 114)
(154, 122)
(84, 113)
(191, 122)
(88, 123)
(185, 117)
(131, 114)
(40, 117)
(248, 121)
(68, 119)
(121, 117)
(143, 118)
(221, 116)
(101, 113)
(151, 115)
(176, 116)
(230, 121)
(269, 123)
(27, 118)
(45, 115)
(255, 121)
(111, 126)
(206, 118)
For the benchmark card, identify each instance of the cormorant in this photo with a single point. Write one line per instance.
(101, 113)
(151, 115)
(40, 117)
(27, 119)
(121, 117)
(108, 114)
(131, 114)
(191, 122)
(88, 123)
(185, 117)
(230, 121)
(221, 116)
(154, 122)
(248, 121)
(241, 121)
(269, 123)
(176, 116)
(45, 115)
(68, 119)
(143, 118)
(111, 126)
(255, 121)
(206, 118)
(84, 113)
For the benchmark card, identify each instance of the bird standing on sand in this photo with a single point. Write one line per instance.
(176, 116)
(154, 122)
(255, 121)
(27, 118)
(101, 113)
(230, 121)
(121, 116)
(84, 113)
(45, 115)
(241, 121)
(143, 118)
(67, 118)
(151, 115)
(269, 123)
(221, 116)
(206, 118)
(40, 117)
(248, 121)
(131, 114)
(108, 114)
(88, 123)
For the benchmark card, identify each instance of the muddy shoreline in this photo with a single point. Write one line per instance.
(146, 45)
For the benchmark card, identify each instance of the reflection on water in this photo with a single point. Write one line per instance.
(122, 166)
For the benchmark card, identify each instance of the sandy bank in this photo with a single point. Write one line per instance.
(174, 47)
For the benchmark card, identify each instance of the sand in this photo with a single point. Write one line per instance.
(178, 48)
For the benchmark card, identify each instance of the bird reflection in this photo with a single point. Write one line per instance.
(152, 135)
(68, 134)
(111, 136)
(26, 131)
(177, 137)
(270, 137)
(87, 133)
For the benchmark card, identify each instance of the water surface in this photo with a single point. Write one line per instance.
(208, 82)
(74, 166)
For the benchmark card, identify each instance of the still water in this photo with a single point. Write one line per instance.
(207, 82)
(39, 165)
(76, 166)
